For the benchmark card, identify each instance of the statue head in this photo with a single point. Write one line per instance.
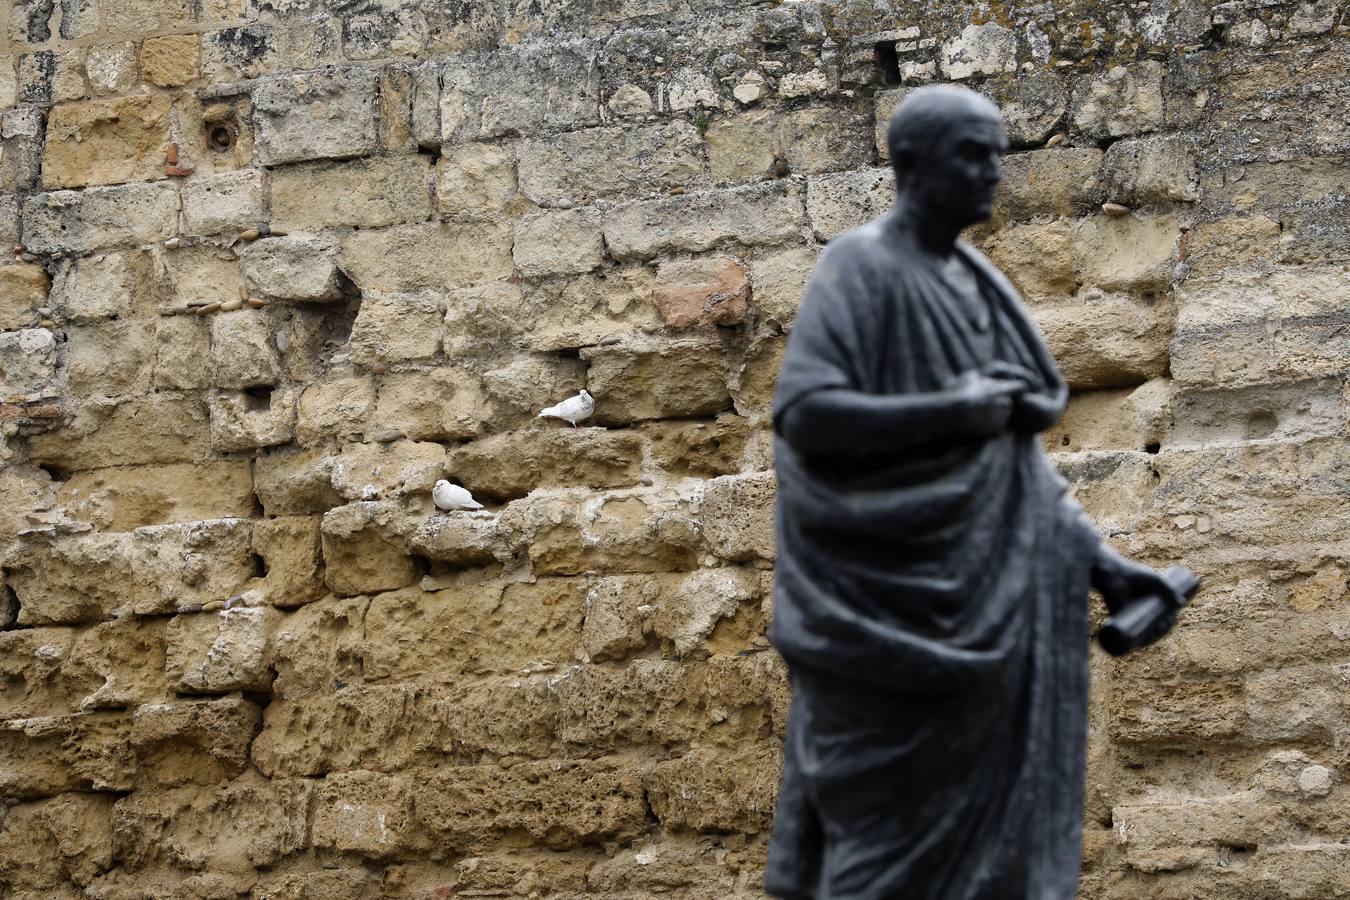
(946, 143)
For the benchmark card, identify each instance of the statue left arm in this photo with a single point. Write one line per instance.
(1120, 580)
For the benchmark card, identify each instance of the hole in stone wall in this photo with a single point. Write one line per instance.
(887, 61)
(258, 398)
(259, 565)
(54, 472)
(1152, 447)
(221, 136)
(1261, 423)
(9, 607)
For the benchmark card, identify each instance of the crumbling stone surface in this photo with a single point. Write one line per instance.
(274, 270)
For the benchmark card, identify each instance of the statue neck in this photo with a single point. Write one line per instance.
(933, 232)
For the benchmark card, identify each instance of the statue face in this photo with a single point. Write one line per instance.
(957, 183)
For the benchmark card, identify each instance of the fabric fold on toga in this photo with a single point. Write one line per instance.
(932, 608)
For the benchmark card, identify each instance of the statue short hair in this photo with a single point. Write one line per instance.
(926, 115)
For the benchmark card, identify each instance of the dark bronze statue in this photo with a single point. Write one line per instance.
(933, 576)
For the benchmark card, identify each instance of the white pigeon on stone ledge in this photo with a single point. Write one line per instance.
(452, 496)
(572, 410)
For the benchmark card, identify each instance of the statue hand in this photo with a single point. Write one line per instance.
(984, 404)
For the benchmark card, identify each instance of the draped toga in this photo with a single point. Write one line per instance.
(931, 606)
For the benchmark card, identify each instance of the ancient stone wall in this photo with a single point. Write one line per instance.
(281, 264)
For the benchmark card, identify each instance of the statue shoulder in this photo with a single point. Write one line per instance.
(858, 253)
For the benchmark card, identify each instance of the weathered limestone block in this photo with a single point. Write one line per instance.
(110, 359)
(706, 790)
(397, 327)
(23, 288)
(42, 757)
(618, 616)
(359, 555)
(155, 429)
(369, 813)
(738, 516)
(293, 268)
(373, 471)
(759, 375)
(190, 563)
(171, 60)
(70, 579)
(528, 383)
(779, 282)
(569, 313)
(219, 652)
(463, 540)
(986, 49)
(431, 255)
(252, 418)
(21, 130)
(318, 648)
(1033, 106)
(475, 181)
(486, 316)
(110, 67)
(703, 291)
(752, 215)
(689, 617)
(293, 482)
(1277, 412)
(1062, 181)
(1246, 327)
(330, 114)
(1157, 169)
(91, 288)
(203, 275)
(490, 627)
(33, 662)
(228, 828)
(1107, 340)
(643, 530)
(697, 449)
(335, 410)
(242, 352)
(1168, 836)
(391, 726)
(1128, 253)
(105, 141)
(219, 204)
(835, 203)
(515, 91)
(763, 143)
(1119, 419)
(291, 553)
(434, 404)
(100, 218)
(1125, 100)
(240, 52)
(1038, 258)
(123, 499)
(559, 242)
(46, 844)
(1154, 712)
(120, 664)
(1215, 246)
(662, 866)
(559, 804)
(547, 457)
(1281, 642)
(1115, 488)
(367, 193)
(193, 741)
(601, 162)
(27, 362)
(657, 380)
(1298, 703)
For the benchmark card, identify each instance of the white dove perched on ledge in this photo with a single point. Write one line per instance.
(573, 409)
(451, 496)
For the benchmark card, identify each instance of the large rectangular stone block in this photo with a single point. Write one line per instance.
(657, 380)
(432, 255)
(368, 193)
(150, 430)
(100, 218)
(516, 91)
(106, 141)
(329, 114)
(754, 215)
(600, 162)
